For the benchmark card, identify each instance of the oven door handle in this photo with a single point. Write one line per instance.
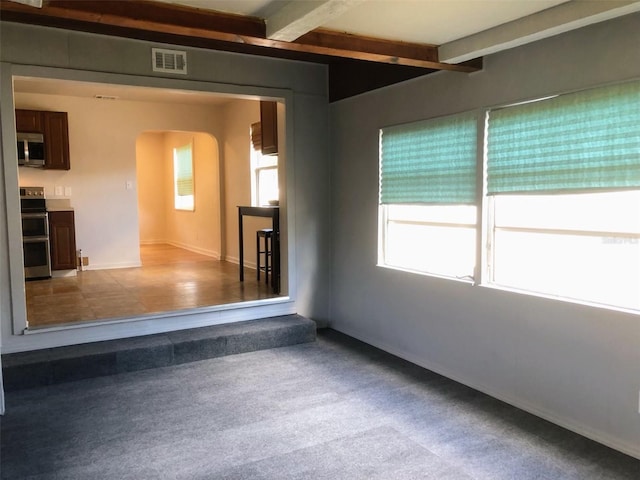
(34, 215)
(35, 239)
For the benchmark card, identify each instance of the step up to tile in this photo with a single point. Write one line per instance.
(64, 364)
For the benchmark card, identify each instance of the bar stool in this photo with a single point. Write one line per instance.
(267, 234)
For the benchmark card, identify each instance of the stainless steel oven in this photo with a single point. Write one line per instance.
(35, 233)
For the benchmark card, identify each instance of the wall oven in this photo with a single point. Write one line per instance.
(35, 233)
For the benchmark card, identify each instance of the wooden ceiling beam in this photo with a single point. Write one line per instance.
(190, 22)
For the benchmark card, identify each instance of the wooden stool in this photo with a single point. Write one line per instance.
(267, 234)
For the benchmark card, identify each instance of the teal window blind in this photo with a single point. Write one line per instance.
(581, 141)
(183, 162)
(429, 162)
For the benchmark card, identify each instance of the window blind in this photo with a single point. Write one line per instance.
(184, 170)
(581, 141)
(429, 162)
(256, 136)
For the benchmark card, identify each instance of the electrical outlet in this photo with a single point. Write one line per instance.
(85, 261)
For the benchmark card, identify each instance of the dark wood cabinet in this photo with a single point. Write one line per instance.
(62, 240)
(56, 141)
(55, 128)
(29, 121)
(269, 127)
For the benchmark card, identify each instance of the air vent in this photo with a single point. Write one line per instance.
(169, 61)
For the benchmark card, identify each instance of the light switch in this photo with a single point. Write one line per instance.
(129, 185)
(67, 191)
(58, 190)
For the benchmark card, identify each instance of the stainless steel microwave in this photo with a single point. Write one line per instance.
(31, 151)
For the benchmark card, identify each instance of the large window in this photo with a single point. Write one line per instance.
(428, 196)
(183, 178)
(560, 202)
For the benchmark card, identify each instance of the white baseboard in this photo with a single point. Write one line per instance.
(109, 266)
(195, 249)
(520, 403)
(236, 260)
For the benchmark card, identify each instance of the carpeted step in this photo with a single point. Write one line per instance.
(65, 364)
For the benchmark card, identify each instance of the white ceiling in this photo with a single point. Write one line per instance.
(70, 88)
(464, 29)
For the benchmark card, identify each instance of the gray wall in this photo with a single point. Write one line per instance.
(576, 365)
(81, 56)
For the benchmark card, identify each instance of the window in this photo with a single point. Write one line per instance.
(560, 197)
(183, 177)
(428, 195)
(563, 179)
(264, 168)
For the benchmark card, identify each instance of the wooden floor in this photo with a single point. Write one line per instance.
(170, 279)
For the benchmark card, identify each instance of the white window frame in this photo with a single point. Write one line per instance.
(261, 163)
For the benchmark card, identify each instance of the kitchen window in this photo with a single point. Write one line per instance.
(264, 168)
(560, 198)
(183, 177)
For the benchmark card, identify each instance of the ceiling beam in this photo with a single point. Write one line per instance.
(187, 22)
(552, 21)
(296, 18)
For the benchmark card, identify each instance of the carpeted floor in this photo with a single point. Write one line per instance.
(334, 409)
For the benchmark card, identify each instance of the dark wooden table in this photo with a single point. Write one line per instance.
(274, 214)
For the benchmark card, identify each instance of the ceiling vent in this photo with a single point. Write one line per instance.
(169, 61)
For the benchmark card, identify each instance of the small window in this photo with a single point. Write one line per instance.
(183, 177)
(264, 168)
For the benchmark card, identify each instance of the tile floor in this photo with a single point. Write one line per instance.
(170, 279)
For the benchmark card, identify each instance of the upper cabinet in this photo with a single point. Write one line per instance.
(269, 126)
(29, 121)
(55, 128)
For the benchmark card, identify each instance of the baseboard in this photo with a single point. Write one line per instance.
(236, 260)
(109, 266)
(192, 248)
(592, 434)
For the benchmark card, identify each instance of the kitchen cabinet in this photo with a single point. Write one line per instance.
(62, 240)
(269, 127)
(29, 121)
(56, 141)
(54, 126)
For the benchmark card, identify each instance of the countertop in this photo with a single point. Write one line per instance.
(59, 205)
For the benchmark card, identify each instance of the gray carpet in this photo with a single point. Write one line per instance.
(333, 409)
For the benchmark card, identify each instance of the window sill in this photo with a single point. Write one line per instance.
(557, 298)
(465, 279)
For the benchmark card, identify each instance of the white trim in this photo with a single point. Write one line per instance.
(593, 434)
(59, 336)
(192, 248)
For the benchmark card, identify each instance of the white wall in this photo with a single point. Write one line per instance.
(102, 147)
(576, 365)
(197, 230)
(61, 54)
(150, 173)
(239, 116)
